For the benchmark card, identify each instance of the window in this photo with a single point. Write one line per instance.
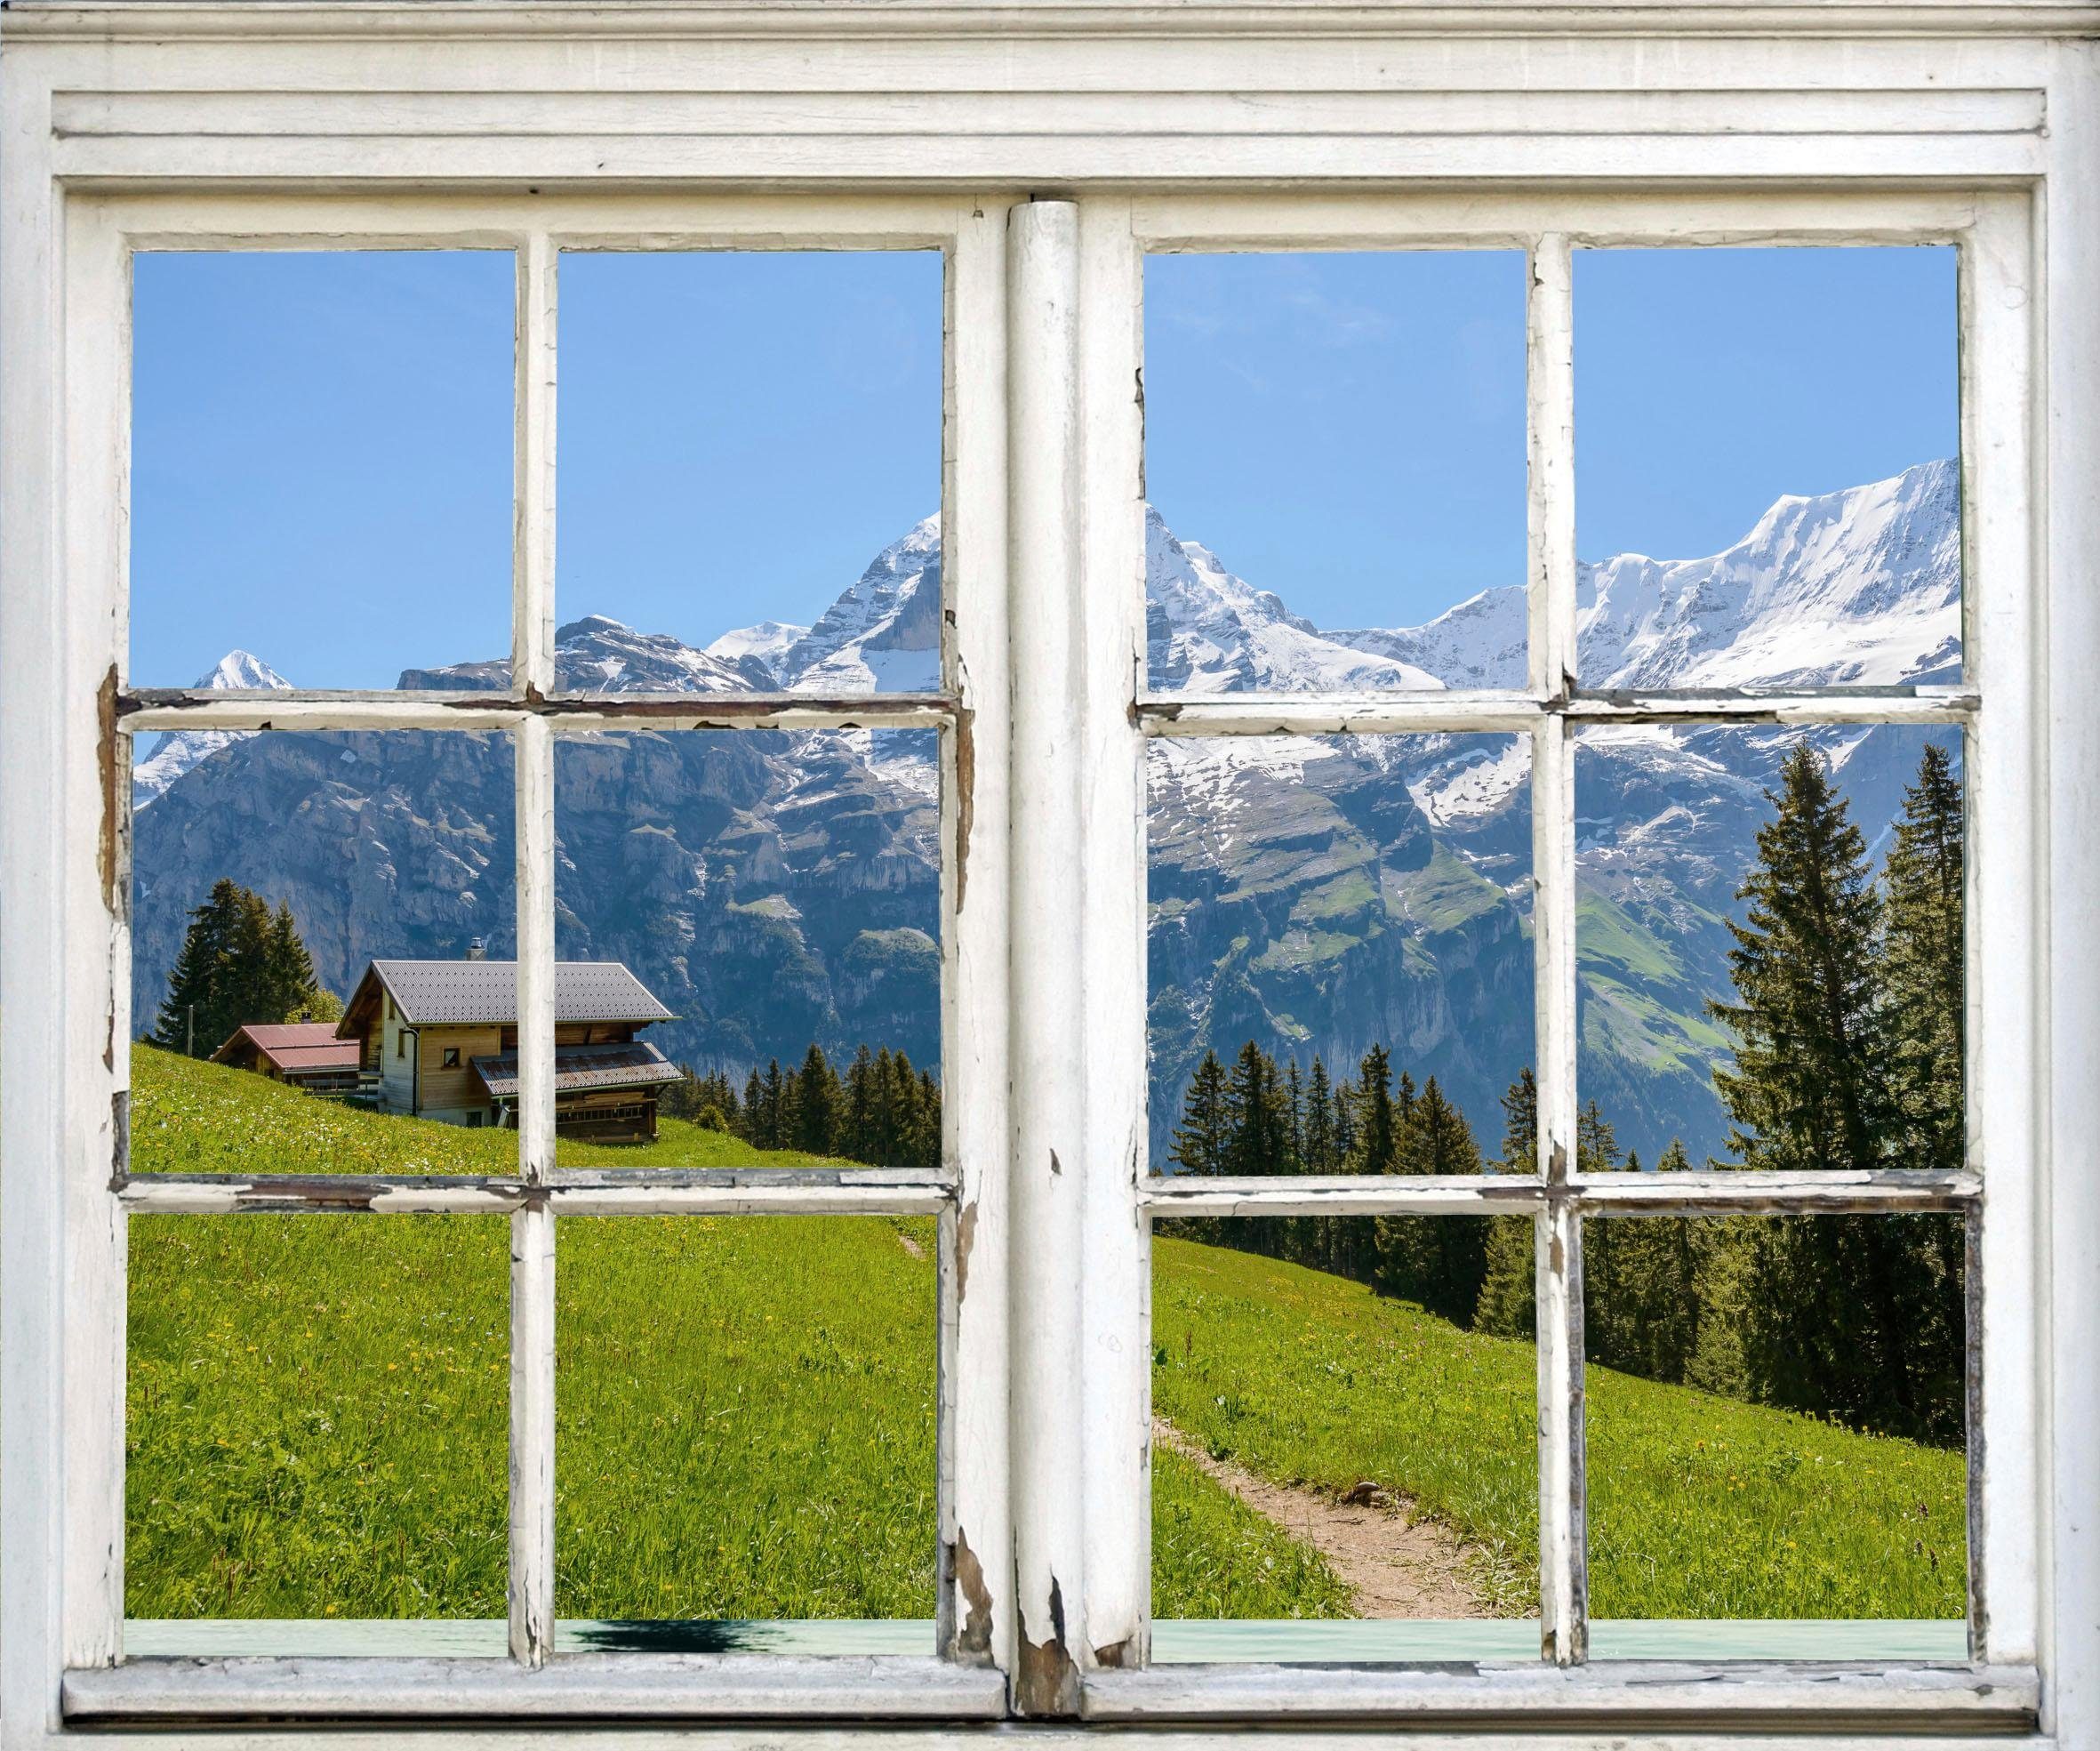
(1150, 665)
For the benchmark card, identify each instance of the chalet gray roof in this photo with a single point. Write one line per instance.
(434, 992)
(617, 1064)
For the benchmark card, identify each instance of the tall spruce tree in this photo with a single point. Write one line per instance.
(1377, 1121)
(927, 1131)
(1509, 1291)
(1828, 1311)
(1810, 1085)
(816, 1104)
(1202, 1138)
(750, 1116)
(1438, 1261)
(1259, 1135)
(1320, 1154)
(1923, 970)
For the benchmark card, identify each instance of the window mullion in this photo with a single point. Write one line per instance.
(532, 1227)
(1047, 993)
(975, 1600)
(1550, 379)
(1118, 1370)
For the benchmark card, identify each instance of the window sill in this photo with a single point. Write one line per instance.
(1622, 1696)
(577, 1687)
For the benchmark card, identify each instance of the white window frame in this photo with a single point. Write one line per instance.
(135, 122)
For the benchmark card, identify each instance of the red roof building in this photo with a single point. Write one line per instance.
(308, 1055)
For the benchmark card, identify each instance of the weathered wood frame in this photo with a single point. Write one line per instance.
(961, 1675)
(1311, 124)
(1991, 233)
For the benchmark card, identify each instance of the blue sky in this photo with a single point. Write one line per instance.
(1347, 430)
(321, 448)
(321, 445)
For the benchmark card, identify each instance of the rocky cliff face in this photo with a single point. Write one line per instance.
(771, 889)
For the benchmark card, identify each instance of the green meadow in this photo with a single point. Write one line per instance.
(1700, 1507)
(318, 1407)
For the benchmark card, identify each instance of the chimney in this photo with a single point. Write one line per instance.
(477, 950)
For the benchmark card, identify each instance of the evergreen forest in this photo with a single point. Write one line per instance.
(881, 1112)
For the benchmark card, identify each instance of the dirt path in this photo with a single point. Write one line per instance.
(1395, 1566)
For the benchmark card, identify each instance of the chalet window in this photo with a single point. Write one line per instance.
(1451, 313)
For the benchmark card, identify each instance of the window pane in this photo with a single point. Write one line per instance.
(1340, 940)
(1775, 1428)
(1328, 1449)
(775, 900)
(1778, 429)
(321, 465)
(1769, 940)
(746, 1413)
(1335, 452)
(317, 922)
(317, 1423)
(751, 471)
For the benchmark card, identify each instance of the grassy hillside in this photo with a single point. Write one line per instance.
(1700, 1507)
(319, 1404)
(319, 1411)
(192, 1117)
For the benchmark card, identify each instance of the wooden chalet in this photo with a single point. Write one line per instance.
(308, 1055)
(438, 1039)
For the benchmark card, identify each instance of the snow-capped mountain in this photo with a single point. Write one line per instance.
(767, 642)
(1209, 631)
(1856, 587)
(600, 654)
(1316, 894)
(1861, 587)
(884, 633)
(236, 672)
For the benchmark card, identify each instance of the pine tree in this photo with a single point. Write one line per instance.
(1258, 1129)
(290, 967)
(1437, 1261)
(775, 1113)
(1811, 1085)
(1924, 988)
(1596, 1151)
(1319, 1154)
(240, 963)
(1828, 1311)
(1509, 1291)
(750, 1119)
(1377, 1126)
(857, 1116)
(926, 1148)
(1923, 966)
(817, 1103)
(1201, 1139)
(1655, 1329)
(194, 978)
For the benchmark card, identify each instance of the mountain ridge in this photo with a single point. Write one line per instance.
(1316, 897)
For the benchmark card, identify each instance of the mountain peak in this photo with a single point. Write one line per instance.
(241, 671)
(589, 626)
(884, 633)
(1209, 630)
